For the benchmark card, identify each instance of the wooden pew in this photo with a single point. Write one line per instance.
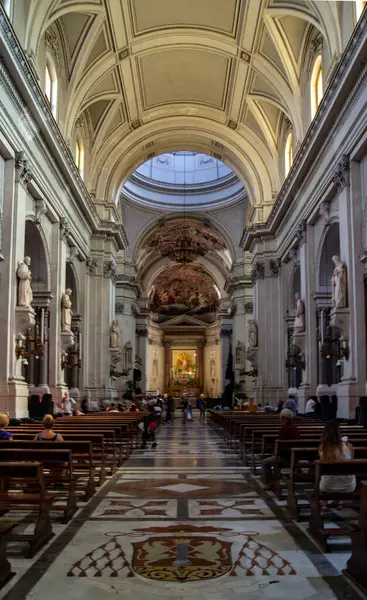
(82, 457)
(316, 524)
(302, 474)
(52, 474)
(6, 527)
(357, 564)
(25, 475)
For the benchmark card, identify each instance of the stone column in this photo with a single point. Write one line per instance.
(225, 343)
(167, 364)
(14, 320)
(75, 358)
(271, 381)
(200, 365)
(142, 349)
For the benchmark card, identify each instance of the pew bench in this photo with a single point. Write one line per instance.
(60, 474)
(356, 565)
(317, 528)
(24, 475)
(6, 528)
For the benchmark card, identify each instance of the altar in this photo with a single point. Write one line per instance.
(183, 377)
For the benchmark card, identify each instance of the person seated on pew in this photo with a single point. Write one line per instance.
(4, 422)
(335, 447)
(47, 434)
(288, 431)
(252, 408)
(310, 407)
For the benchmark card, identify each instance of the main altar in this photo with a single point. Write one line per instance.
(184, 372)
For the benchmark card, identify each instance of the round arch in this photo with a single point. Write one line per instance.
(329, 246)
(35, 246)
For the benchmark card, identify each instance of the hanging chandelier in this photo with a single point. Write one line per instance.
(186, 250)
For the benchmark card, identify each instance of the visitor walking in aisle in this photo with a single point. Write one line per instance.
(184, 406)
(202, 407)
(170, 409)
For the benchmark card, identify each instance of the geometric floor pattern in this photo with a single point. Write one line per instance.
(188, 521)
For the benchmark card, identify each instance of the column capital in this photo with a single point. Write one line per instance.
(64, 228)
(23, 169)
(257, 272)
(341, 175)
(225, 332)
(301, 232)
(273, 267)
(141, 332)
(92, 265)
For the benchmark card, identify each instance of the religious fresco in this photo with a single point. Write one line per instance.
(164, 238)
(183, 289)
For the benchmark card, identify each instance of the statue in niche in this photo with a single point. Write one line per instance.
(66, 312)
(128, 354)
(25, 294)
(339, 283)
(115, 335)
(299, 319)
(212, 368)
(252, 333)
(239, 353)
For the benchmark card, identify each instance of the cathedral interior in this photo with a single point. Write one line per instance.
(183, 212)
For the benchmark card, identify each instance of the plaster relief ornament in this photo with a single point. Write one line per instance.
(239, 353)
(339, 283)
(299, 320)
(252, 333)
(115, 335)
(25, 294)
(66, 312)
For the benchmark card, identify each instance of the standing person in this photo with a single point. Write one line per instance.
(149, 427)
(184, 405)
(335, 447)
(169, 416)
(68, 403)
(189, 411)
(4, 422)
(164, 409)
(202, 407)
(288, 431)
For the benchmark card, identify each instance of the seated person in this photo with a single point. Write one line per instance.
(47, 434)
(4, 422)
(334, 447)
(288, 431)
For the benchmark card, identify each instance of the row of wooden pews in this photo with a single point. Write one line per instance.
(42, 478)
(255, 436)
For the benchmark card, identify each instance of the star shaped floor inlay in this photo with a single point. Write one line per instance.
(170, 488)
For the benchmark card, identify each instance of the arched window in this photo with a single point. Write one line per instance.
(79, 157)
(360, 4)
(316, 86)
(288, 157)
(51, 85)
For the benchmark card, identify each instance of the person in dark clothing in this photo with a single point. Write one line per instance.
(170, 408)
(288, 431)
(150, 425)
(184, 408)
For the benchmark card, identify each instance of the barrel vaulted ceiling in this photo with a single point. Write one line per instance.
(151, 76)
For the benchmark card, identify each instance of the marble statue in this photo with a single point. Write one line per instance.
(25, 294)
(299, 320)
(128, 354)
(339, 283)
(115, 335)
(252, 333)
(66, 312)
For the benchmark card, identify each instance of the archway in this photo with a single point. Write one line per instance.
(330, 247)
(74, 354)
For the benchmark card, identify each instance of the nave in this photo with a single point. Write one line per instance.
(186, 520)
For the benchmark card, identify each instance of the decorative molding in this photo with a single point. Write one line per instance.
(64, 228)
(274, 267)
(109, 268)
(224, 332)
(24, 171)
(119, 308)
(40, 209)
(245, 56)
(124, 54)
(135, 124)
(249, 308)
(141, 333)
(91, 264)
(257, 272)
(324, 212)
(301, 232)
(341, 175)
(52, 45)
(232, 124)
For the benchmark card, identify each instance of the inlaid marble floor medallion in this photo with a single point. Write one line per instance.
(195, 528)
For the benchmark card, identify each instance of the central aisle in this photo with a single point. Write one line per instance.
(183, 521)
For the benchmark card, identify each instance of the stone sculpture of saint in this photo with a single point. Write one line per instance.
(339, 283)
(299, 320)
(114, 335)
(66, 312)
(252, 333)
(239, 353)
(25, 294)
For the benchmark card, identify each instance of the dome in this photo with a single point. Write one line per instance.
(169, 179)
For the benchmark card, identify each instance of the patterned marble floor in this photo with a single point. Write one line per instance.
(183, 521)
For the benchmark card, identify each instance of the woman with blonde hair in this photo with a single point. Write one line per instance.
(4, 422)
(47, 434)
(335, 447)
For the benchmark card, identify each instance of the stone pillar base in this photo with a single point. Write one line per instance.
(348, 398)
(14, 399)
(41, 389)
